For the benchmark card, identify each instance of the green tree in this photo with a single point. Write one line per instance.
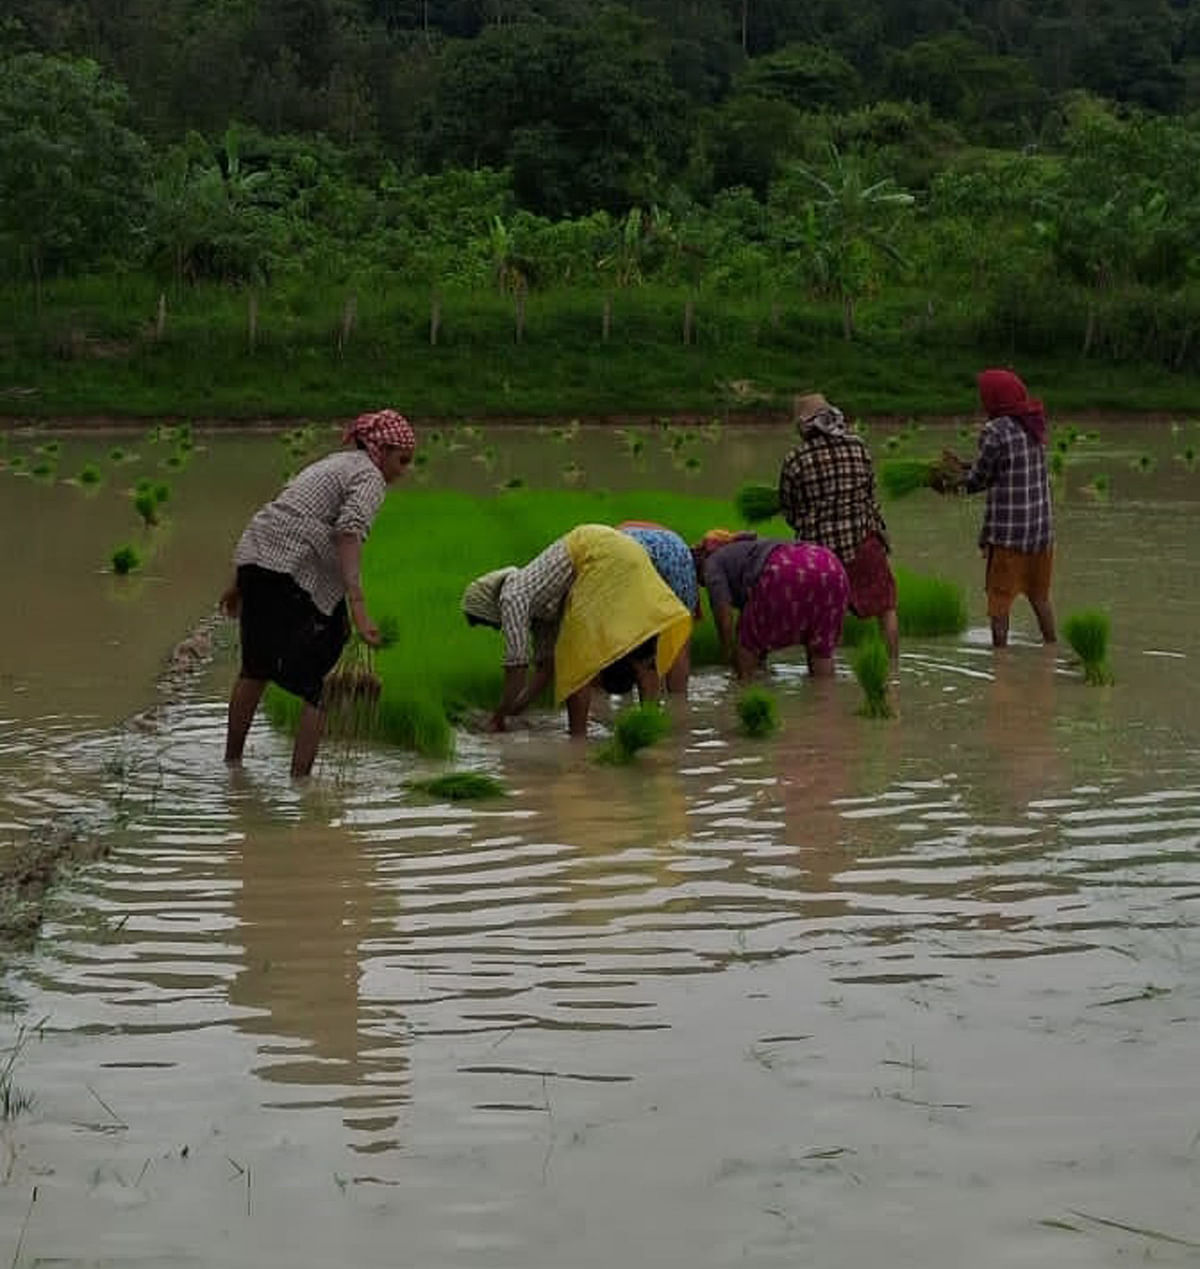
(71, 171)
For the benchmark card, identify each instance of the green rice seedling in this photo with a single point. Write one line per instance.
(1062, 445)
(1074, 435)
(162, 492)
(421, 459)
(146, 506)
(872, 668)
(1058, 463)
(17, 462)
(692, 465)
(1099, 486)
(487, 457)
(50, 449)
(758, 712)
(514, 482)
(116, 454)
(1188, 457)
(901, 476)
(174, 461)
(89, 474)
(572, 473)
(926, 607)
(125, 560)
(435, 437)
(43, 469)
(965, 433)
(635, 728)
(1144, 464)
(461, 786)
(143, 484)
(1087, 632)
(756, 503)
(892, 443)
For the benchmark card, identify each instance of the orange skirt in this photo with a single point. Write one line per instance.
(1011, 573)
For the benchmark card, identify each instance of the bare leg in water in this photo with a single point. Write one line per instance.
(1043, 610)
(243, 701)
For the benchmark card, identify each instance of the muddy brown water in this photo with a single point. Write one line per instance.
(912, 993)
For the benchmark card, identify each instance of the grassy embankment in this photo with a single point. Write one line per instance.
(427, 544)
(95, 349)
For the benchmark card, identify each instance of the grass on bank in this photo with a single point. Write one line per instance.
(92, 350)
(427, 544)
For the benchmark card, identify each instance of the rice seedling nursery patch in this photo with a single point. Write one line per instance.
(428, 543)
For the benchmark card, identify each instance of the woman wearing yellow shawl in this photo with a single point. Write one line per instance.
(587, 600)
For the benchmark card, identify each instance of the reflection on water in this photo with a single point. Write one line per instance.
(921, 991)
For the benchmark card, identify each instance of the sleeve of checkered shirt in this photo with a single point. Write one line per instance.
(790, 501)
(987, 465)
(545, 579)
(361, 505)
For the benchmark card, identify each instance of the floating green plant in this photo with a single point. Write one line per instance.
(872, 668)
(635, 728)
(902, 476)
(756, 503)
(125, 559)
(1087, 632)
(758, 712)
(89, 474)
(461, 786)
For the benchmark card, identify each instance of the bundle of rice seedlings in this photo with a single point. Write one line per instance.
(893, 442)
(871, 668)
(514, 482)
(461, 786)
(1087, 633)
(125, 559)
(758, 712)
(1058, 464)
(902, 476)
(116, 454)
(17, 462)
(146, 505)
(352, 691)
(1144, 463)
(692, 464)
(89, 474)
(1188, 457)
(756, 503)
(635, 728)
(1099, 486)
(50, 449)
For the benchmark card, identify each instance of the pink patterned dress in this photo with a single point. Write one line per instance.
(800, 599)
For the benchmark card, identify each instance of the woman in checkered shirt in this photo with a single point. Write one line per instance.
(298, 564)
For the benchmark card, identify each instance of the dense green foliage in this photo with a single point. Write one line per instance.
(259, 205)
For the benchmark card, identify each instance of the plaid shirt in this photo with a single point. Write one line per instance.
(1011, 466)
(296, 534)
(533, 597)
(827, 493)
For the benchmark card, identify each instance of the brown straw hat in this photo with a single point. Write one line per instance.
(807, 406)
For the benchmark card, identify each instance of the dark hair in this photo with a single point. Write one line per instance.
(619, 678)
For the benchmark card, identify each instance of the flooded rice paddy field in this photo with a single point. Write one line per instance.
(921, 992)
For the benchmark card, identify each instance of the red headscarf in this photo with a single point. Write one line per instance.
(379, 431)
(1002, 393)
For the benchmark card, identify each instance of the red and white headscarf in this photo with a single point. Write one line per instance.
(385, 429)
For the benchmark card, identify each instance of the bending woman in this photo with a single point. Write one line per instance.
(586, 601)
(297, 565)
(672, 560)
(788, 594)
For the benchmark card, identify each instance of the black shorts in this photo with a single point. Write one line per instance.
(286, 638)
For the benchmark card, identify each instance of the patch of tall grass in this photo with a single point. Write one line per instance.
(1087, 632)
(428, 543)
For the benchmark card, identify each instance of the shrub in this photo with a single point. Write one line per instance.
(758, 712)
(1087, 632)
